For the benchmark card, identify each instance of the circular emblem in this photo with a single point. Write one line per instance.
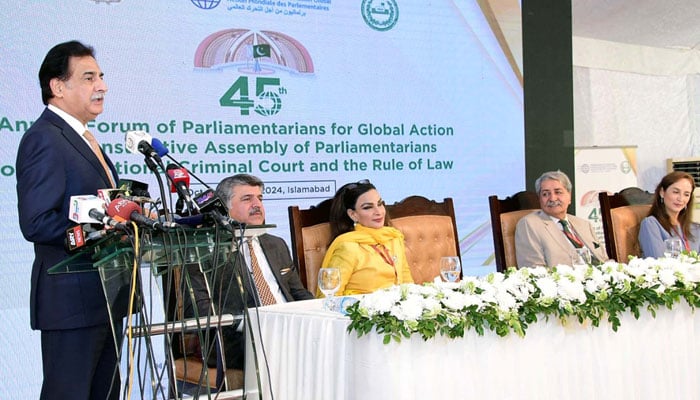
(206, 4)
(270, 104)
(380, 15)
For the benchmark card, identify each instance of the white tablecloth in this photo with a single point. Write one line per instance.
(311, 356)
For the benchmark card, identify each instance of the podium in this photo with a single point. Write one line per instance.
(152, 272)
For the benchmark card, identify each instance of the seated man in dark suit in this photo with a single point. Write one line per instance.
(269, 265)
(548, 237)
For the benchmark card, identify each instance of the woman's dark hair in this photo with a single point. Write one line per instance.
(685, 217)
(55, 65)
(345, 199)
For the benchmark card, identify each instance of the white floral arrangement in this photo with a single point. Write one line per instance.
(509, 302)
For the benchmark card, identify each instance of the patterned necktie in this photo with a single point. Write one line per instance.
(98, 152)
(570, 235)
(266, 296)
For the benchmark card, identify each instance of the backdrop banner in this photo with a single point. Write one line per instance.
(417, 97)
(601, 169)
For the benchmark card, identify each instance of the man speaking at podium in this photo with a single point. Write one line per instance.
(58, 158)
(269, 266)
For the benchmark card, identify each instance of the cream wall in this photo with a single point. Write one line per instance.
(637, 95)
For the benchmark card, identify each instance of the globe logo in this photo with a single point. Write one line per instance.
(270, 104)
(206, 4)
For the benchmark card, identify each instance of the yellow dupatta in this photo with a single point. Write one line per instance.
(364, 235)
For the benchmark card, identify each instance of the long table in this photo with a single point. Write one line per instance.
(310, 355)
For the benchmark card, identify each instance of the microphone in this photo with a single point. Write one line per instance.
(79, 235)
(108, 195)
(138, 199)
(163, 151)
(131, 211)
(159, 147)
(226, 222)
(89, 209)
(106, 220)
(180, 184)
(208, 201)
(147, 150)
(131, 187)
(140, 141)
(193, 220)
(210, 204)
(133, 138)
(75, 238)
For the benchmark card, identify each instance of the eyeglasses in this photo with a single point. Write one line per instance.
(351, 186)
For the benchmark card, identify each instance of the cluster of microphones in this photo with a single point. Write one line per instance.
(114, 209)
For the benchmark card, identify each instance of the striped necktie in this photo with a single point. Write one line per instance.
(264, 292)
(98, 152)
(570, 235)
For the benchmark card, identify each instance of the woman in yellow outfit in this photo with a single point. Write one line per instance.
(369, 253)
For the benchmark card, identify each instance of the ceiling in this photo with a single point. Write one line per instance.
(667, 24)
(671, 24)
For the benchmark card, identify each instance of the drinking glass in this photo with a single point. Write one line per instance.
(672, 247)
(328, 283)
(580, 257)
(450, 267)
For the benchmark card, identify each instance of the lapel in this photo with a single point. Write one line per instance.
(582, 232)
(268, 251)
(271, 255)
(554, 232)
(82, 148)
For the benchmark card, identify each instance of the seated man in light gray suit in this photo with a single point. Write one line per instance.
(548, 237)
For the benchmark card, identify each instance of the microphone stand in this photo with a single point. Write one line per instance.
(246, 286)
(153, 166)
(181, 203)
(190, 172)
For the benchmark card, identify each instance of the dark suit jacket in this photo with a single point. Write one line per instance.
(53, 164)
(226, 295)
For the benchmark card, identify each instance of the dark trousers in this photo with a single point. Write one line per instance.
(80, 364)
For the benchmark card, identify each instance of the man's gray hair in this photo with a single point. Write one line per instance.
(554, 176)
(225, 188)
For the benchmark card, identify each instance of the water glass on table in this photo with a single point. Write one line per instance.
(450, 268)
(328, 284)
(672, 247)
(581, 257)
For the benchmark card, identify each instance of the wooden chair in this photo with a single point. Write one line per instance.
(622, 214)
(430, 231)
(429, 227)
(505, 214)
(311, 235)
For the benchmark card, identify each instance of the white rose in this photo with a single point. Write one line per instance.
(571, 290)
(410, 309)
(547, 286)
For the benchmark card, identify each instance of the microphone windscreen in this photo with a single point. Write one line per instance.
(132, 139)
(159, 147)
(80, 207)
(192, 221)
(131, 187)
(177, 175)
(208, 201)
(75, 238)
(122, 208)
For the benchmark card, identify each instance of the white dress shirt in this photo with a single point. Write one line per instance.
(265, 267)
